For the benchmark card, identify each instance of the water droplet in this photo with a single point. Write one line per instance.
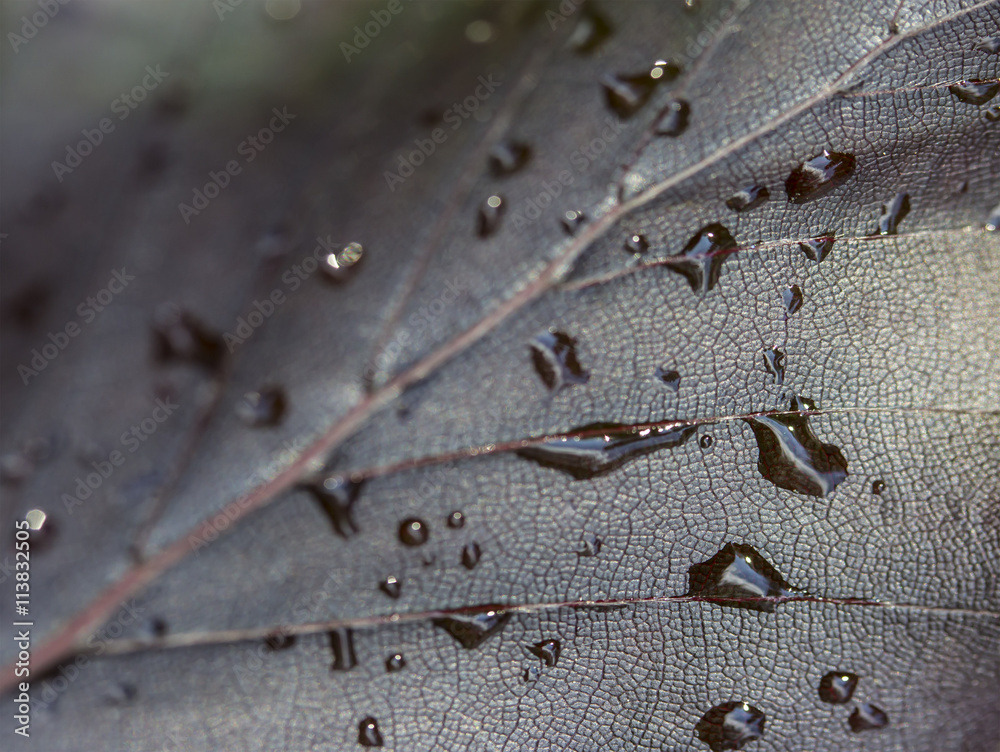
(473, 629)
(989, 44)
(179, 335)
(740, 577)
(471, 554)
(748, 198)
(818, 249)
(993, 223)
(626, 94)
(531, 673)
(489, 216)
(456, 520)
(395, 662)
(975, 92)
(670, 379)
(391, 586)
(792, 298)
(675, 119)
(156, 627)
(590, 32)
(279, 641)
(42, 529)
(792, 457)
(878, 487)
(554, 357)
(368, 733)
(992, 113)
(867, 717)
(603, 447)
(636, 244)
(572, 221)
(893, 212)
(590, 545)
(342, 646)
(730, 726)
(336, 496)
(265, 407)
(547, 650)
(339, 265)
(413, 532)
(774, 362)
(819, 176)
(700, 262)
(837, 687)
(706, 441)
(508, 157)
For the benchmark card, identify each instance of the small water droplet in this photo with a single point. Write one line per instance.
(867, 717)
(988, 44)
(792, 298)
(636, 243)
(391, 586)
(336, 496)
(975, 92)
(670, 379)
(878, 487)
(730, 726)
(265, 407)
(790, 455)
(572, 221)
(490, 213)
(279, 641)
(602, 447)
(818, 249)
(342, 647)
(674, 120)
(740, 577)
(992, 113)
(473, 629)
(893, 212)
(368, 733)
(395, 662)
(471, 554)
(508, 157)
(590, 545)
(774, 362)
(338, 266)
(837, 687)
(179, 335)
(626, 94)
(819, 176)
(548, 651)
(530, 674)
(706, 441)
(456, 520)
(156, 627)
(413, 532)
(700, 262)
(591, 31)
(748, 198)
(553, 354)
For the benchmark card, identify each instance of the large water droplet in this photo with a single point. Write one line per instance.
(342, 647)
(489, 216)
(456, 520)
(413, 532)
(508, 157)
(670, 379)
(818, 176)
(988, 44)
(792, 457)
(748, 198)
(471, 554)
(893, 212)
(792, 298)
(867, 717)
(774, 362)
(368, 733)
(975, 92)
(675, 119)
(590, 545)
(554, 357)
(473, 629)
(179, 335)
(700, 262)
(817, 249)
(636, 243)
(391, 586)
(837, 687)
(626, 94)
(548, 651)
(602, 447)
(590, 32)
(740, 577)
(395, 662)
(336, 496)
(730, 725)
(265, 407)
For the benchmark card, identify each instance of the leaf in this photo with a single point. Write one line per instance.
(643, 507)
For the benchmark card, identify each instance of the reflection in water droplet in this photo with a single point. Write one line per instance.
(675, 119)
(342, 646)
(730, 726)
(792, 457)
(473, 629)
(471, 554)
(508, 157)
(975, 92)
(748, 198)
(774, 362)
(489, 216)
(395, 662)
(988, 44)
(265, 407)
(626, 94)
(893, 212)
(456, 520)
(279, 641)
(413, 532)
(554, 357)
(603, 447)
(706, 441)
(391, 586)
(670, 379)
(878, 487)
(740, 577)
(700, 262)
(636, 244)
(336, 496)
(338, 266)
(818, 249)
(867, 717)
(572, 221)
(368, 733)
(819, 176)
(590, 545)
(548, 651)
(35, 519)
(837, 687)
(180, 336)
(591, 31)
(792, 298)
